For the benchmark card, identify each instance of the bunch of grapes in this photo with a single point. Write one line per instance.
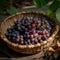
(29, 30)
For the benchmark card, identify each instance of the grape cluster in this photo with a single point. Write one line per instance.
(29, 30)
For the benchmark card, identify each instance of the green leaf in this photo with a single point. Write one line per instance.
(58, 14)
(12, 10)
(53, 7)
(40, 3)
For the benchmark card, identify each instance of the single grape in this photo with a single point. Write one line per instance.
(35, 41)
(32, 41)
(40, 32)
(29, 42)
(43, 38)
(26, 43)
(22, 42)
(32, 25)
(35, 35)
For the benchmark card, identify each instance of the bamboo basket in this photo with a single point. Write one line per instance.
(28, 49)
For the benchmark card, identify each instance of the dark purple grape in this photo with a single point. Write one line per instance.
(22, 22)
(9, 34)
(43, 38)
(51, 24)
(32, 25)
(26, 30)
(42, 23)
(22, 42)
(39, 19)
(26, 43)
(39, 38)
(28, 36)
(31, 36)
(18, 25)
(32, 40)
(30, 17)
(47, 34)
(41, 28)
(35, 35)
(21, 36)
(46, 22)
(34, 31)
(35, 41)
(27, 33)
(17, 33)
(10, 30)
(9, 37)
(39, 41)
(29, 27)
(13, 34)
(37, 28)
(18, 37)
(17, 22)
(48, 28)
(19, 28)
(13, 38)
(29, 41)
(40, 32)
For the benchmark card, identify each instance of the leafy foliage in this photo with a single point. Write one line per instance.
(12, 10)
(40, 3)
(58, 14)
(52, 8)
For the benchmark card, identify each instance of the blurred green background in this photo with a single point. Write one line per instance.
(13, 6)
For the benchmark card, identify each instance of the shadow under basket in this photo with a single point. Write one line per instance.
(28, 49)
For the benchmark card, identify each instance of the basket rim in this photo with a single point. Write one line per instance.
(30, 46)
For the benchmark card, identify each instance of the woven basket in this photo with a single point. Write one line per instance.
(27, 49)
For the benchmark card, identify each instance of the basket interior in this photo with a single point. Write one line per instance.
(10, 20)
